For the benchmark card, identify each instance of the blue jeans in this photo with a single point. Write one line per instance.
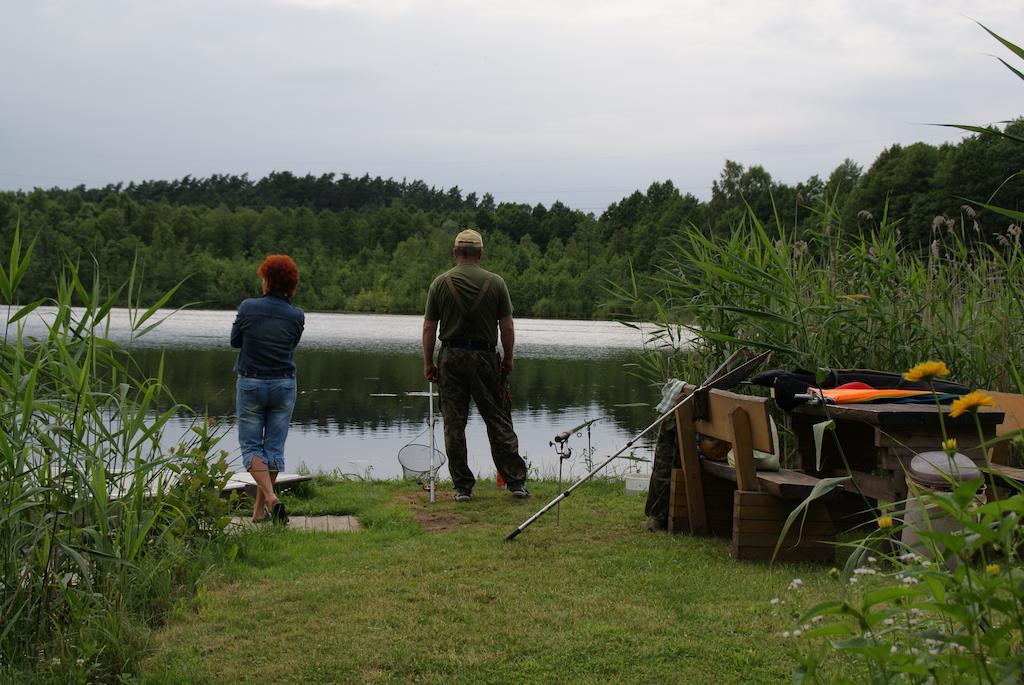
(264, 411)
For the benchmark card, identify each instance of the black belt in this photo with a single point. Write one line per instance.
(267, 376)
(467, 345)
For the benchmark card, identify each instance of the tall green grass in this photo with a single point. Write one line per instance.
(828, 299)
(100, 531)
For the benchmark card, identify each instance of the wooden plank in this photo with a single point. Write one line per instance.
(678, 511)
(690, 464)
(678, 525)
(897, 460)
(884, 488)
(784, 483)
(1010, 472)
(810, 529)
(1013, 406)
(813, 513)
(756, 499)
(718, 425)
(719, 469)
(743, 454)
(881, 414)
(825, 555)
(771, 539)
(929, 438)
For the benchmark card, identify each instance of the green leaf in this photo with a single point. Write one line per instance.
(1013, 48)
(887, 594)
(757, 314)
(25, 311)
(1011, 68)
(819, 438)
(827, 608)
(1012, 214)
(985, 131)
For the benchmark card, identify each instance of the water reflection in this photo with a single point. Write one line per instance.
(361, 386)
(357, 408)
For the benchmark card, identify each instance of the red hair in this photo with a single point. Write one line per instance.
(280, 272)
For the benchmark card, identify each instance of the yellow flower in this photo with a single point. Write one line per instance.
(885, 522)
(927, 370)
(949, 445)
(970, 402)
(992, 569)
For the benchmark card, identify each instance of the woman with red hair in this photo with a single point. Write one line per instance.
(266, 331)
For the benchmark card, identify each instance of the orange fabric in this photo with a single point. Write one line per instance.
(862, 393)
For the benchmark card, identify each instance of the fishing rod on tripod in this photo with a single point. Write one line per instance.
(564, 452)
(721, 377)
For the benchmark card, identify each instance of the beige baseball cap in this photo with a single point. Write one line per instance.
(469, 238)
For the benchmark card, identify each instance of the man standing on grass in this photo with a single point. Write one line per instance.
(472, 306)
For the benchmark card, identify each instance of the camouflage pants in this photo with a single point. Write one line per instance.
(463, 374)
(666, 457)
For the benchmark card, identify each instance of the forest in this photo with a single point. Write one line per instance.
(372, 245)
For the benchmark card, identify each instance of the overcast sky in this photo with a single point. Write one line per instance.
(533, 101)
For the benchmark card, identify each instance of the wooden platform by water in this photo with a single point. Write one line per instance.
(307, 524)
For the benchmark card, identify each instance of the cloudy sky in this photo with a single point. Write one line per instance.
(533, 101)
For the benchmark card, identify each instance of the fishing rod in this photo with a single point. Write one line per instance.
(430, 394)
(720, 378)
(562, 437)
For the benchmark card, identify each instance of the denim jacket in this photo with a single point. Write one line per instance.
(266, 330)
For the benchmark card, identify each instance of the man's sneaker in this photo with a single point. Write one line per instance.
(518, 491)
(462, 496)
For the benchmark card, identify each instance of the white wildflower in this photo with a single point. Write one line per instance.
(894, 650)
(775, 600)
(785, 634)
(795, 584)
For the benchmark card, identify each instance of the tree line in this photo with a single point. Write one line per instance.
(372, 244)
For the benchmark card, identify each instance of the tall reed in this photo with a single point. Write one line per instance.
(100, 531)
(826, 299)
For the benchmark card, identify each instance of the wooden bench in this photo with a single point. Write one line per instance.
(746, 505)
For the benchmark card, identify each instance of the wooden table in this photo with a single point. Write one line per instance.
(879, 440)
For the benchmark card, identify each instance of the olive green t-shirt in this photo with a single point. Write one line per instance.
(472, 321)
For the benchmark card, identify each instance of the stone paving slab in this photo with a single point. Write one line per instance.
(319, 524)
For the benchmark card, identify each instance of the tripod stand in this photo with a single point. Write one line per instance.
(564, 452)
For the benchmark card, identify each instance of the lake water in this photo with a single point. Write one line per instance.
(362, 396)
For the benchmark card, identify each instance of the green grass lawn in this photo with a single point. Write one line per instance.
(432, 594)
